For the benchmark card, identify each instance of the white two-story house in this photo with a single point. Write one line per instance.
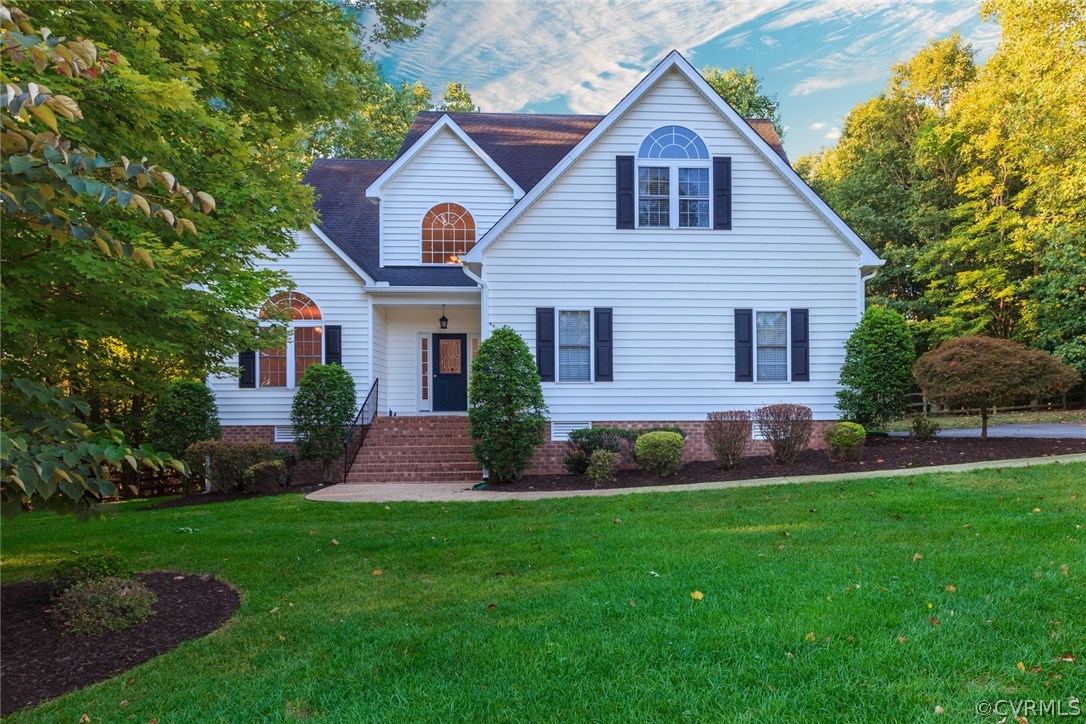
(662, 261)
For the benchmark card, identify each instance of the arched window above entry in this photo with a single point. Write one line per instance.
(673, 142)
(448, 232)
(301, 307)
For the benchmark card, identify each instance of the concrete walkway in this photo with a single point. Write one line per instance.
(462, 493)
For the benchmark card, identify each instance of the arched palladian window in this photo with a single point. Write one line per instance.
(448, 232)
(673, 189)
(285, 366)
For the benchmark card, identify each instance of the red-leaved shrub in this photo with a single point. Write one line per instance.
(787, 429)
(728, 434)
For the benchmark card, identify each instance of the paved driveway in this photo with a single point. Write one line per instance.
(1059, 430)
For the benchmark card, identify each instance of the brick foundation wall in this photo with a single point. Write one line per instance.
(548, 456)
(306, 472)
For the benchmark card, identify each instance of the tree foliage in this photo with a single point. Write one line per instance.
(983, 372)
(507, 412)
(971, 182)
(323, 407)
(877, 372)
(743, 91)
(184, 414)
(456, 99)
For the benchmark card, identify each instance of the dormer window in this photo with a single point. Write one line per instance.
(673, 188)
(448, 232)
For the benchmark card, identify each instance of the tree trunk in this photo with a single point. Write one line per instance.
(327, 471)
(984, 423)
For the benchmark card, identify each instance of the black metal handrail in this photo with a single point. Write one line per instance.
(356, 431)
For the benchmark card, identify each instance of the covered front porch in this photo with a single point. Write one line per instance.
(423, 344)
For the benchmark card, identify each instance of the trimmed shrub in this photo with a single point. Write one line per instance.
(184, 414)
(90, 567)
(787, 429)
(677, 430)
(924, 428)
(266, 475)
(728, 433)
(877, 372)
(508, 415)
(660, 453)
(981, 372)
(601, 466)
(94, 607)
(229, 461)
(844, 440)
(324, 405)
(587, 440)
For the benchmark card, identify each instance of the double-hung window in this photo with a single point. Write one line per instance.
(574, 346)
(771, 348)
(284, 366)
(673, 187)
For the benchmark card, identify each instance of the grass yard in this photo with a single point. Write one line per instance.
(961, 422)
(873, 600)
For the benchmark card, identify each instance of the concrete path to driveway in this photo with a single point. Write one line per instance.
(462, 493)
(1066, 430)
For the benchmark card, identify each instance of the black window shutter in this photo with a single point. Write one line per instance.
(604, 345)
(333, 345)
(722, 192)
(544, 343)
(624, 192)
(801, 346)
(247, 362)
(744, 345)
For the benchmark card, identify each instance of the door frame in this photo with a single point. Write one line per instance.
(465, 352)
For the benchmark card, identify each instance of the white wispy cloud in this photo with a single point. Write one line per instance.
(590, 52)
(769, 41)
(818, 126)
(834, 134)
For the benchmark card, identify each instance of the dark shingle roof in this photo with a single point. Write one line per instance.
(351, 221)
(525, 145)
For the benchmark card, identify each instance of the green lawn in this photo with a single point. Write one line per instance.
(960, 422)
(819, 603)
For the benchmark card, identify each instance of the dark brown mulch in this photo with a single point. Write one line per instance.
(206, 498)
(880, 453)
(40, 662)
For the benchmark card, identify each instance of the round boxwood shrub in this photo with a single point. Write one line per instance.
(508, 415)
(90, 567)
(184, 414)
(660, 453)
(94, 607)
(877, 372)
(844, 440)
(323, 407)
(601, 466)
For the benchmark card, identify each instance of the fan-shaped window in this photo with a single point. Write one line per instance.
(448, 232)
(284, 367)
(300, 306)
(673, 175)
(673, 142)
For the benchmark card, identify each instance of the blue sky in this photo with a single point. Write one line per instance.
(820, 57)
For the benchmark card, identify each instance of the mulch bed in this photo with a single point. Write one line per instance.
(40, 662)
(880, 453)
(207, 498)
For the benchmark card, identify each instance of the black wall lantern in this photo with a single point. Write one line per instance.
(444, 321)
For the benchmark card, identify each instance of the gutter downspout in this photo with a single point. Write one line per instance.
(862, 306)
(484, 301)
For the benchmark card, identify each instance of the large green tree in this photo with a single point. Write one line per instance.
(743, 91)
(223, 94)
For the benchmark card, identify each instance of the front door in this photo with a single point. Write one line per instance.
(450, 367)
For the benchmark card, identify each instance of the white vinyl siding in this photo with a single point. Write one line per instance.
(674, 294)
(340, 294)
(446, 171)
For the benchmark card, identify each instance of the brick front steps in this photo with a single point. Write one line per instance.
(428, 449)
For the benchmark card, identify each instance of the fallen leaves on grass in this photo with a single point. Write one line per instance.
(378, 572)
(950, 588)
(335, 542)
(810, 636)
(491, 606)
(1021, 666)
(697, 595)
(1066, 659)
(933, 620)
(917, 557)
(633, 603)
